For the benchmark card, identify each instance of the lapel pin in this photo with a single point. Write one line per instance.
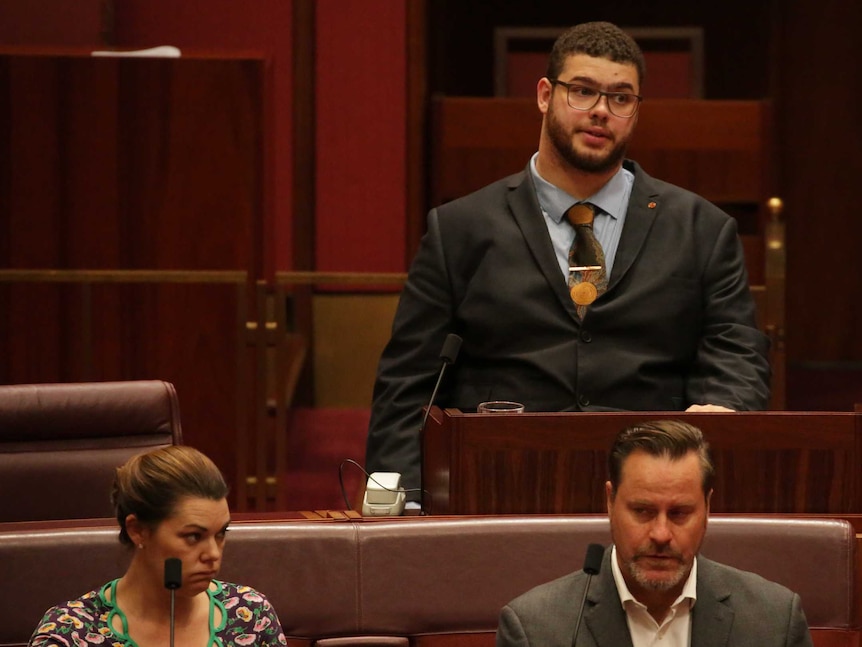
(651, 205)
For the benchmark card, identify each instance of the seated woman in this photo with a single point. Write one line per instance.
(169, 503)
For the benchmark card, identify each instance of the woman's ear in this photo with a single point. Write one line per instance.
(136, 530)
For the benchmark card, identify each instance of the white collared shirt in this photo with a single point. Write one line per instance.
(675, 629)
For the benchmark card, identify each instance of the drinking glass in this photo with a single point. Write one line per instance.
(500, 406)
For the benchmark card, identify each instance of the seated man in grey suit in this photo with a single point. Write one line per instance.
(652, 588)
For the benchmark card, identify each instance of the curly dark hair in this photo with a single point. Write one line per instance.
(597, 39)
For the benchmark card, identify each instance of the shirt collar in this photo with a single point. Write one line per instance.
(610, 199)
(689, 589)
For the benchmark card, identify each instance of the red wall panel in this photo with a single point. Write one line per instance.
(361, 135)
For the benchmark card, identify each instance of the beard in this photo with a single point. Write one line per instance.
(589, 163)
(671, 578)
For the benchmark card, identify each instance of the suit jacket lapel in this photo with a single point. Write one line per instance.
(528, 214)
(639, 220)
(604, 616)
(711, 619)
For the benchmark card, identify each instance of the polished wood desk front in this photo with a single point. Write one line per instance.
(788, 462)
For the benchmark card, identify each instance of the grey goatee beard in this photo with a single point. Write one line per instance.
(656, 585)
(665, 584)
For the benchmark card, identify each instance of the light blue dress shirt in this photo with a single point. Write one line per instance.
(612, 201)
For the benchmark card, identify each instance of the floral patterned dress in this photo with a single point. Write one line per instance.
(247, 618)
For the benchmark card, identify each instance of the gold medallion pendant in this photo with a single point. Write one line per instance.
(583, 293)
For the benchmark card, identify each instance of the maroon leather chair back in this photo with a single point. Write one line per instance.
(60, 443)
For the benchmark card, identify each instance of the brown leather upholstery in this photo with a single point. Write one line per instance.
(60, 443)
(426, 578)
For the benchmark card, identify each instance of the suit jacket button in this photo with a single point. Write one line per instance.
(583, 400)
(586, 337)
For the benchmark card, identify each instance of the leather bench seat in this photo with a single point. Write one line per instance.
(424, 580)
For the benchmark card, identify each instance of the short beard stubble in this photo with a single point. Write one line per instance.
(562, 143)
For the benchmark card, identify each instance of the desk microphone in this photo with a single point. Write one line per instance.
(173, 581)
(449, 353)
(592, 566)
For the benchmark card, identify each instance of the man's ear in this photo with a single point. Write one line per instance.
(544, 90)
(609, 495)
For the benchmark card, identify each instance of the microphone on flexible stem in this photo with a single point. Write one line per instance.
(449, 353)
(173, 581)
(592, 566)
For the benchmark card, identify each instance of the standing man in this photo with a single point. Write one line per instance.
(652, 586)
(579, 284)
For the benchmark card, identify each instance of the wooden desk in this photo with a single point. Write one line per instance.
(777, 461)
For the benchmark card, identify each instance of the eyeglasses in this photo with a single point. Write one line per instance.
(582, 97)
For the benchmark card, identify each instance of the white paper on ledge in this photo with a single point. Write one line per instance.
(165, 51)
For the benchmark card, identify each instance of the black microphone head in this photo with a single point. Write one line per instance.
(593, 559)
(451, 346)
(173, 573)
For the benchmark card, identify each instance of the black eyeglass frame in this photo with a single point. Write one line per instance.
(599, 95)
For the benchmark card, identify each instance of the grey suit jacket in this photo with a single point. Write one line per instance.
(734, 609)
(675, 327)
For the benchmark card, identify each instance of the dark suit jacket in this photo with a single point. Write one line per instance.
(675, 327)
(734, 609)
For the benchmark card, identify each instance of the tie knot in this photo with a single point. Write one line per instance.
(581, 214)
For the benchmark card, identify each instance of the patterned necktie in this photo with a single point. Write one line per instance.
(586, 252)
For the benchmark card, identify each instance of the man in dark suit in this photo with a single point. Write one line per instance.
(652, 587)
(665, 323)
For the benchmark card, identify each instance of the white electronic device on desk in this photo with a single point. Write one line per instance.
(384, 496)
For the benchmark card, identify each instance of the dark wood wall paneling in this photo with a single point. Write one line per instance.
(766, 462)
(819, 139)
(736, 44)
(418, 118)
(226, 27)
(54, 23)
(230, 28)
(118, 164)
(189, 163)
(146, 165)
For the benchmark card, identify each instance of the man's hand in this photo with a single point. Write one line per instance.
(709, 408)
